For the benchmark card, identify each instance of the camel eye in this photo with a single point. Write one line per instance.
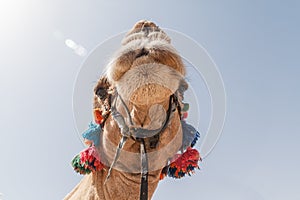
(101, 92)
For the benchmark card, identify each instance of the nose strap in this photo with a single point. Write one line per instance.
(138, 132)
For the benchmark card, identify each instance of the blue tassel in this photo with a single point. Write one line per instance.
(197, 136)
(190, 135)
(93, 133)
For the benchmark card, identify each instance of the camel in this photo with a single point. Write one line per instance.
(140, 101)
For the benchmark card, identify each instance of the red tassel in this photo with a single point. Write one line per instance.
(87, 161)
(184, 115)
(184, 164)
(164, 173)
(91, 159)
(98, 116)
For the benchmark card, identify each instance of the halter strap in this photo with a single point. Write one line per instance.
(144, 172)
(139, 135)
(117, 155)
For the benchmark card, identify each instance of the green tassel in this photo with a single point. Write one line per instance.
(78, 166)
(186, 107)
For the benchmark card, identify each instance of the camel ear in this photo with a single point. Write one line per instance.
(102, 88)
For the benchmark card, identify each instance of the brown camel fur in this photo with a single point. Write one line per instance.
(143, 46)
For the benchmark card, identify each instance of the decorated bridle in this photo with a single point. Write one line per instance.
(89, 160)
(138, 134)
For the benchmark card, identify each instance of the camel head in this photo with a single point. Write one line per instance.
(140, 94)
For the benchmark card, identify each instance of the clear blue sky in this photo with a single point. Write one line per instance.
(254, 43)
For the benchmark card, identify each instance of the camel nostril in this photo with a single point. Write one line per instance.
(143, 52)
(149, 24)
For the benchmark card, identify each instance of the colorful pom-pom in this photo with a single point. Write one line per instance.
(78, 166)
(184, 164)
(87, 161)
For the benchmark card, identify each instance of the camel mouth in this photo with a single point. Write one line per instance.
(143, 52)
